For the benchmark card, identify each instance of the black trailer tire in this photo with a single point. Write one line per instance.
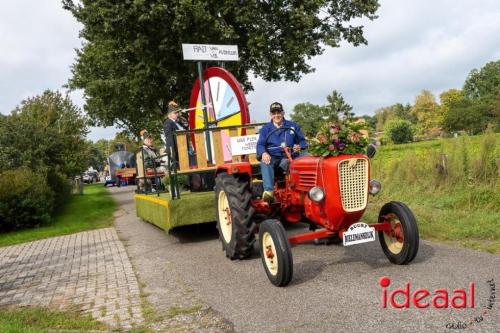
(275, 252)
(235, 215)
(399, 250)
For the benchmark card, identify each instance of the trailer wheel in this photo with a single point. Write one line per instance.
(400, 244)
(275, 252)
(234, 215)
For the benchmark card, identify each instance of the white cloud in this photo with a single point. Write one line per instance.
(411, 46)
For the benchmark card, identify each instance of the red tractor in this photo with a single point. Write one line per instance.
(328, 193)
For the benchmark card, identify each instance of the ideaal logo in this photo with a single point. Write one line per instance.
(461, 298)
(423, 298)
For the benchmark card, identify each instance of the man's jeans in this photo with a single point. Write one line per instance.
(268, 171)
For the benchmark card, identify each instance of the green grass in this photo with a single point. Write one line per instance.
(41, 320)
(459, 207)
(92, 210)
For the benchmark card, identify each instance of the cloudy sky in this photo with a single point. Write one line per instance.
(413, 45)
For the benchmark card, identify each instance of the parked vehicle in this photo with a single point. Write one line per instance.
(90, 177)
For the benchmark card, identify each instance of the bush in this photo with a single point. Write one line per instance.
(399, 131)
(60, 186)
(26, 200)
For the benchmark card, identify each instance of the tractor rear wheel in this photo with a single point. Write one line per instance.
(275, 252)
(400, 244)
(234, 215)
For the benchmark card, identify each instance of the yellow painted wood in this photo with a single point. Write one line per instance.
(182, 148)
(201, 159)
(140, 166)
(218, 149)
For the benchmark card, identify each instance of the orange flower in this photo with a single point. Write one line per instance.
(354, 137)
(322, 138)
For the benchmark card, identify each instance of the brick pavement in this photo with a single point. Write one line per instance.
(88, 269)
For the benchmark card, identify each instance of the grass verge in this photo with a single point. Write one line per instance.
(92, 210)
(451, 185)
(38, 320)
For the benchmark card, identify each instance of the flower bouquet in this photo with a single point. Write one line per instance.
(336, 139)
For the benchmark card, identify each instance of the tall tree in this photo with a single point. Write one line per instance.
(450, 98)
(310, 117)
(338, 107)
(131, 64)
(395, 111)
(426, 110)
(45, 132)
(483, 82)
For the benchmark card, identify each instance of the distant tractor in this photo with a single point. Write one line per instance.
(331, 194)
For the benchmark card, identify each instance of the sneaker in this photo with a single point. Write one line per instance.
(268, 196)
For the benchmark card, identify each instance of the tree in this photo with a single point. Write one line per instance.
(483, 82)
(310, 117)
(467, 115)
(131, 64)
(398, 110)
(427, 112)
(337, 107)
(450, 98)
(45, 132)
(399, 131)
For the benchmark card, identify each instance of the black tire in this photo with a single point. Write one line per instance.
(280, 258)
(234, 191)
(400, 252)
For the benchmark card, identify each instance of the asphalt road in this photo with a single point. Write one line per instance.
(334, 289)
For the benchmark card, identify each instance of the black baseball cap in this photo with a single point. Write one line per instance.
(276, 107)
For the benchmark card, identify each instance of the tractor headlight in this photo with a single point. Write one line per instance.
(375, 186)
(316, 194)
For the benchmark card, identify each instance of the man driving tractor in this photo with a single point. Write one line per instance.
(271, 143)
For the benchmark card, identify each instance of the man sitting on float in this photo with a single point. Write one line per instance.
(270, 146)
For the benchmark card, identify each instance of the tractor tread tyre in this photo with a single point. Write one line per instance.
(410, 232)
(237, 190)
(283, 252)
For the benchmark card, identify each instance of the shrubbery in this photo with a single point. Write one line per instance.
(42, 145)
(399, 131)
(26, 199)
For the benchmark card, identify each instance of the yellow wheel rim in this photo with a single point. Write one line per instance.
(225, 217)
(269, 253)
(394, 238)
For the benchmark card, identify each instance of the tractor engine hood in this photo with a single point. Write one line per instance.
(344, 180)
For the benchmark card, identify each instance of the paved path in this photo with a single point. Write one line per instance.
(334, 289)
(89, 269)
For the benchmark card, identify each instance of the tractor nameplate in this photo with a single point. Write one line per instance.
(358, 233)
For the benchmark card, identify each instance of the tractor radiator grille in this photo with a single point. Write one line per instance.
(307, 180)
(353, 174)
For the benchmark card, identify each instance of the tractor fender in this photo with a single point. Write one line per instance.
(235, 168)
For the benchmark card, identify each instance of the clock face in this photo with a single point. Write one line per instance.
(223, 93)
(227, 105)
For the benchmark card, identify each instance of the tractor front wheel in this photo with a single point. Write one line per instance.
(275, 252)
(400, 243)
(234, 215)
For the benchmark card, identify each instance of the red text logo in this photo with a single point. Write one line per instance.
(423, 298)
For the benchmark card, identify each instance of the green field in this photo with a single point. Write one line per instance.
(452, 186)
(94, 209)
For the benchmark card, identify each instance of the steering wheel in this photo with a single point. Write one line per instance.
(283, 147)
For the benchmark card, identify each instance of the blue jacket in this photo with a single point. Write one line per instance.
(275, 140)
